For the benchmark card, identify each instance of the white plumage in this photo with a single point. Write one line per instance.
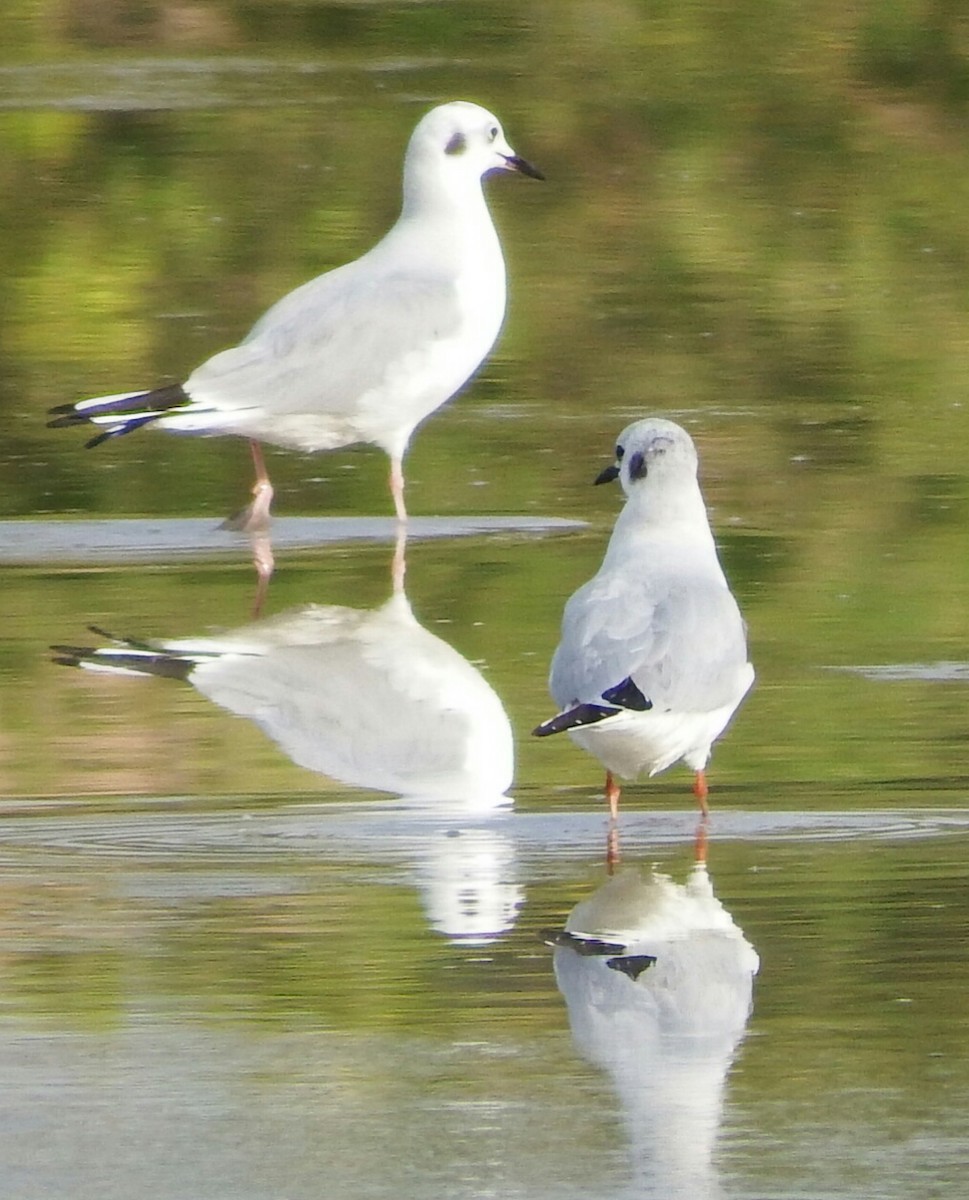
(652, 661)
(370, 698)
(365, 352)
(658, 979)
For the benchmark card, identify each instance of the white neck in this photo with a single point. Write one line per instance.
(674, 516)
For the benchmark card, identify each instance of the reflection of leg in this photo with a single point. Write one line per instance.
(262, 557)
(397, 486)
(700, 841)
(701, 791)
(613, 856)
(399, 568)
(254, 518)
(612, 795)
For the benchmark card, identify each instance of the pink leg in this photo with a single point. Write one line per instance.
(397, 486)
(613, 791)
(254, 518)
(257, 525)
(262, 489)
(701, 791)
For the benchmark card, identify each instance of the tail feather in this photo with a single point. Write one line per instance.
(121, 413)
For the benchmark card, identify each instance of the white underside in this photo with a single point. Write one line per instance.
(633, 743)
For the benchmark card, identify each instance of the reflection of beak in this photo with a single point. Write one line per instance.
(608, 475)
(522, 165)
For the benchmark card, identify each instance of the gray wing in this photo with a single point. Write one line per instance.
(329, 342)
(684, 645)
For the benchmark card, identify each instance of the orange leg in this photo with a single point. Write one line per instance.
(701, 791)
(613, 792)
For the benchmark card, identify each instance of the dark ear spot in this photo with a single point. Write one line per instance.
(637, 466)
(457, 144)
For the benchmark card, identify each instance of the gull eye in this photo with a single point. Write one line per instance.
(492, 133)
(620, 451)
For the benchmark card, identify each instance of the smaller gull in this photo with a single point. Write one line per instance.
(653, 658)
(365, 352)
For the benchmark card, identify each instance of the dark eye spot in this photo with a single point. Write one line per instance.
(457, 144)
(493, 132)
(637, 466)
(620, 451)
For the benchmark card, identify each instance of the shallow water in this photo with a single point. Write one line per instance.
(246, 1003)
(224, 974)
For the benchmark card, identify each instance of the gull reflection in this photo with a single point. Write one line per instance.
(658, 981)
(469, 885)
(366, 697)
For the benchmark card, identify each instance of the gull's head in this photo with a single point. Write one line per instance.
(462, 141)
(652, 453)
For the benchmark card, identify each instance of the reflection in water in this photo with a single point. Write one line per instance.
(368, 697)
(469, 885)
(658, 981)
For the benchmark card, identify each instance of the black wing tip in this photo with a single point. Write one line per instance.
(573, 718)
(108, 434)
(70, 656)
(632, 965)
(627, 695)
(158, 400)
(587, 947)
(67, 418)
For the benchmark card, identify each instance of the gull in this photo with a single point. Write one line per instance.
(365, 352)
(652, 661)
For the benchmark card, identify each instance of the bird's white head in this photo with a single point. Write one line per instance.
(456, 144)
(652, 454)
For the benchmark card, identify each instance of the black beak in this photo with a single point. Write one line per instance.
(608, 475)
(522, 165)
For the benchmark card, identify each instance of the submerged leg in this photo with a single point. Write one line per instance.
(397, 486)
(701, 791)
(613, 791)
